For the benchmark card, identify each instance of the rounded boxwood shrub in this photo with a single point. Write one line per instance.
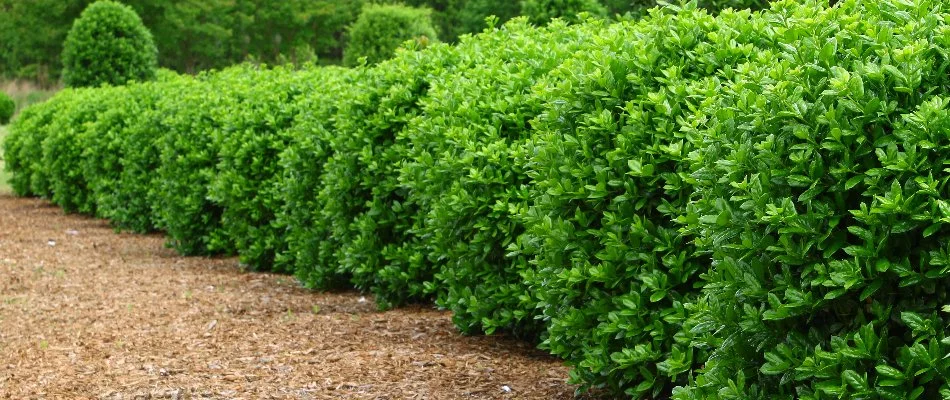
(191, 110)
(108, 44)
(381, 29)
(121, 156)
(124, 186)
(65, 145)
(248, 180)
(7, 108)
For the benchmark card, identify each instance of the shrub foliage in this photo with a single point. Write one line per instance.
(694, 205)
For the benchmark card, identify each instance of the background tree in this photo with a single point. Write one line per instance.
(191, 35)
(31, 37)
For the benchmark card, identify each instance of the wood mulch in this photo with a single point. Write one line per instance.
(89, 313)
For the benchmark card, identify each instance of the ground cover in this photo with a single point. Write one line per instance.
(88, 313)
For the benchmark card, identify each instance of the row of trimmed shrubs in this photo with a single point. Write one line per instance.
(740, 206)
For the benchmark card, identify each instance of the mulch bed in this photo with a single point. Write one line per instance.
(89, 313)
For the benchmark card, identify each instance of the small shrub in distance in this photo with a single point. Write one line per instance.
(381, 29)
(7, 107)
(542, 11)
(108, 44)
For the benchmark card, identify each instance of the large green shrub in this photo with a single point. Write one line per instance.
(122, 154)
(381, 29)
(246, 183)
(7, 108)
(822, 199)
(187, 163)
(124, 185)
(359, 199)
(610, 167)
(64, 148)
(464, 177)
(108, 44)
(306, 235)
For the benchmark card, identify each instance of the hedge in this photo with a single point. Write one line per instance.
(694, 205)
(821, 198)
(464, 178)
(610, 166)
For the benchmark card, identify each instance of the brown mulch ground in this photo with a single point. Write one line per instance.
(88, 313)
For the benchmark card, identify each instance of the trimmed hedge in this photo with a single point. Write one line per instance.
(610, 167)
(822, 198)
(696, 205)
(464, 177)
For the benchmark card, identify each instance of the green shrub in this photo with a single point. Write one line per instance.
(610, 170)
(121, 155)
(252, 137)
(465, 179)
(542, 11)
(187, 164)
(360, 199)
(302, 165)
(108, 44)
(64, 148)
(381, 29)
(822, 199)
(99, 162)
(23, 146)
(7, 107)
(132, 202)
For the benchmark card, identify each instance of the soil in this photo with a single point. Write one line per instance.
(86, 312)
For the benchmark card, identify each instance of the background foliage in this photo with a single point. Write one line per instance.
(196, 35)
